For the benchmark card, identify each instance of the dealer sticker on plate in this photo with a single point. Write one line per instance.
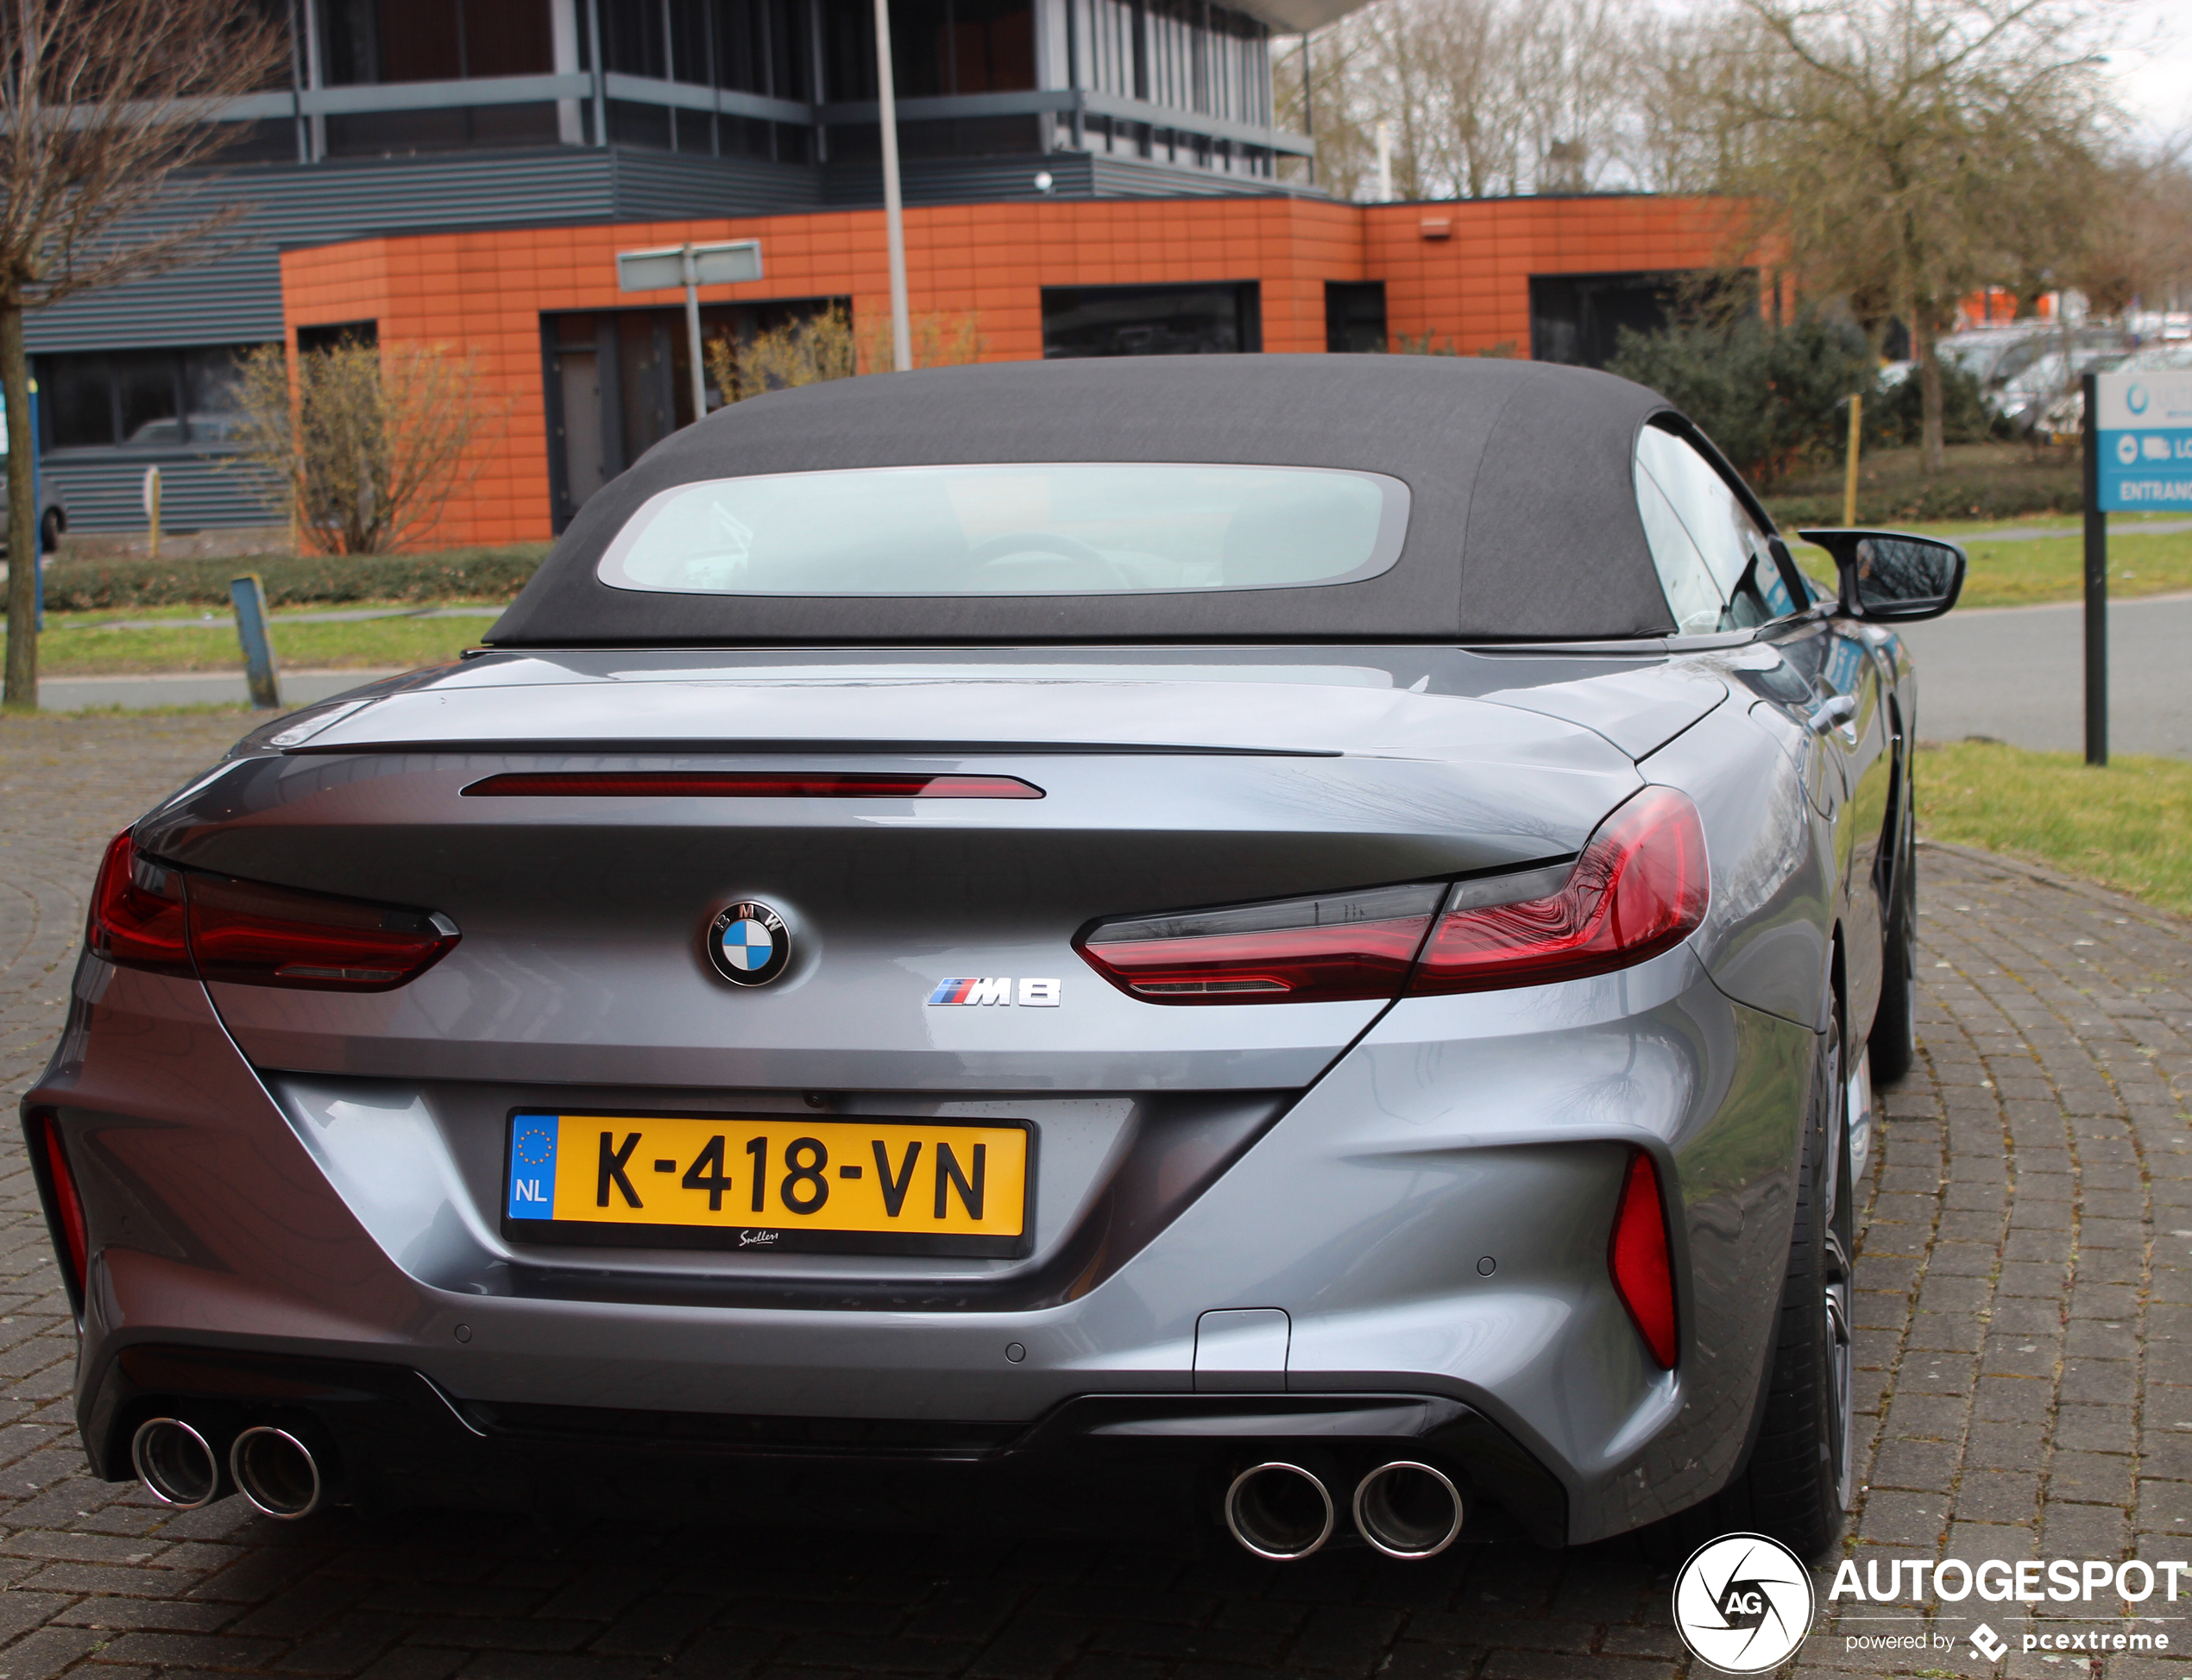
(768, 1181)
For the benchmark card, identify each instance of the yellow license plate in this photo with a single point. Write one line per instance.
(757, 1182)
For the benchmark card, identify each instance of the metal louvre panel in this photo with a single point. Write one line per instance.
(104, 490)
(236, 297)
(650, 185)
(1143, 177)
(961, 181)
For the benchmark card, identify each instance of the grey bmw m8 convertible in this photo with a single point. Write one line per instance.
(1308, 938)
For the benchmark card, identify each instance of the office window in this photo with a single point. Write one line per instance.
(140, 398)
(1578, 319)
(1151, 320)
(336, 333)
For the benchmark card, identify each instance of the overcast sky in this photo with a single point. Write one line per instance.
(2154, 65)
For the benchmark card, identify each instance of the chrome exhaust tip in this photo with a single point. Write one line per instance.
(175, 1463)
(1280, 1511)
(276, 1472)
(1408, 1510)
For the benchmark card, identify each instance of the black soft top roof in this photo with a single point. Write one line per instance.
(1523, 519)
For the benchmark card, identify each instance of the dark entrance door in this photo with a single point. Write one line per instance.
(618, 381)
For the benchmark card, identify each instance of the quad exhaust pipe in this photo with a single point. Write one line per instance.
(175, 1463)
(1283, 1512)
(276, 1472)
(1408, 1510)
(270, 1467)
(1279, 1511)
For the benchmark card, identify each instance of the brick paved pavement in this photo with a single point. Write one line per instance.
(2025, 1309)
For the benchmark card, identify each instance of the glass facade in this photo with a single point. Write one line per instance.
(372, 41)
(1202, 71)
(141, 399)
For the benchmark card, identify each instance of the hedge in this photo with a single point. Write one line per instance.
(1952, 496)
(293, 580)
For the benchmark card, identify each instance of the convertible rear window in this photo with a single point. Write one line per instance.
(1077, 528)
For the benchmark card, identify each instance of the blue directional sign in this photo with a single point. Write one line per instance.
(2145, 441)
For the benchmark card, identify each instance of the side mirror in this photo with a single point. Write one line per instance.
(1892, 576)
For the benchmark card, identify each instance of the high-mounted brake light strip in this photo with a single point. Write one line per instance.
(744, 785)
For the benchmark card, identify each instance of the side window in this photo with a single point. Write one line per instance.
(1735, 552)
(1692, 592)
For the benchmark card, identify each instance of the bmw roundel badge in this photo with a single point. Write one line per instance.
(749, 943)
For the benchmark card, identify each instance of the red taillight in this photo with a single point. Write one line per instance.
(137, 918)
(1637, 1257)
(251, 934)
(148, 914)
(1638, 888)
(745, 784)
(1301, 950)
(68, 1206)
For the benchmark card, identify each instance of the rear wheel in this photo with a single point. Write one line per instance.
(1797, 1485)
(49, 530)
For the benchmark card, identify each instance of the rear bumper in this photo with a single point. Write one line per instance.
(1431, 1217)
(387, 1435)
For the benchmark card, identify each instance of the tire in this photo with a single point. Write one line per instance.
(1894, 1043)
(49, 530)
(1797, 1485)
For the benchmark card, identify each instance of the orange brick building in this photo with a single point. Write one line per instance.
(578, 370)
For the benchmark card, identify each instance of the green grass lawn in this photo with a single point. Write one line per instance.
(2053, 568)
(89, 645)
(2127, 826)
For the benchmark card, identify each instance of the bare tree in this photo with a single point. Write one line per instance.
(101, 101)
(1481, 98)
(1315, 83)
(2141, 253)
(1904, 151)
(360, 448)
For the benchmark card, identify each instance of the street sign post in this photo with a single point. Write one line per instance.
(2146, 437)
(692, 266)
(2138, 439)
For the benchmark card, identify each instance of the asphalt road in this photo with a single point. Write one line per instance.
(2018, 673)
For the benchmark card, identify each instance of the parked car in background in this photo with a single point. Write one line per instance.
(52, 511)
(2063, 419)
(1991, 355)
(2023, 398)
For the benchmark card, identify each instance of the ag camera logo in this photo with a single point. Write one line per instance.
(1743, 1603)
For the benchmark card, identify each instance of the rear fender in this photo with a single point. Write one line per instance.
(1775, 892)
(197, 1195)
